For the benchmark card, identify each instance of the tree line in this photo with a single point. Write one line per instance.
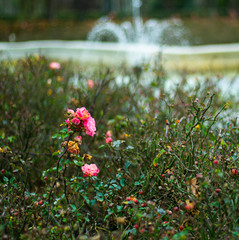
(80, 9)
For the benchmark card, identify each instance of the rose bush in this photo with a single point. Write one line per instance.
(168, 171)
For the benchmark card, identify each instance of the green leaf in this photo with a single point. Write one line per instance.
(5, 179)
(67, 161)
(130, 147)
(125, 233)
(78, 163)
(110, 212)
(223, 143)
(119, 208)
(63, 136)
(57, 135)
(127, 164)
(54, 154)
(64, 130)
(162, 151)
(92, 202)
(137, 183)
(213, 137)
(73, 207)
(122, 182)
(22, 161)
(220, 174)
(11, 139)
(155, 162)
(11, 180)
(117, 143)
(99, 196)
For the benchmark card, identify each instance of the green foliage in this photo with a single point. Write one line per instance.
(170, 171)
(25, 10)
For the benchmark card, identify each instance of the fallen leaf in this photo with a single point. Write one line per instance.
(193, 187)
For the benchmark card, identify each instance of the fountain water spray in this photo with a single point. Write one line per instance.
(170, 32)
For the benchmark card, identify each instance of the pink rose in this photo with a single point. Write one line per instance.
(108, 134)
(76, 121)
(90, 83)
(70, 112)
(68, 124)
(54, 65)
(90, 170)
(78, 139)
(82, 113)
(89, 125)
(108, 140)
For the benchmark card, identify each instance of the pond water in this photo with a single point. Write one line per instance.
(198, 60)
(203, 31)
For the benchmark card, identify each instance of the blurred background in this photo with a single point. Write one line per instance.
(209, 22)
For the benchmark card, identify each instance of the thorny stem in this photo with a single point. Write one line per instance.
(65, 185)
(57, 172)
(201, 117)
(104, 82)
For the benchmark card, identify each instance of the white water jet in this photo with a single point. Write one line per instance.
(151, 32)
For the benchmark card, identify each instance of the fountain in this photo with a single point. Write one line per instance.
(132, 43)
(170, 32)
